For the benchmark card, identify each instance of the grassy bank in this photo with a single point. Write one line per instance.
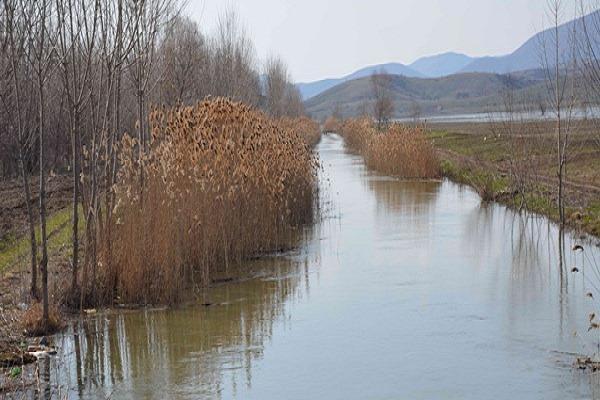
(15, 252)
(520, 171)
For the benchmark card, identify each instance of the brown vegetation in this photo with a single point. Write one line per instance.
(332, 124)
(304, 127)
(397, 150)
(33, 322)
(219, 183)
(76, 76)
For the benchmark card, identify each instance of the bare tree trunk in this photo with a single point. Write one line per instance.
(30, 219)
(44, 260)
(13, 11)
(75, 208)
(559, 132)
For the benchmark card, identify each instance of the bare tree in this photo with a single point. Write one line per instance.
(276, 86)
(294, 106)
(43, 60)
(185, 56)
(77, 35)
(233, 65)
(558, 64)
(415, 111)
(16, 27)
(383, 106)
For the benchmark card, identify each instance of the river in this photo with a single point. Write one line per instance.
(405, 290)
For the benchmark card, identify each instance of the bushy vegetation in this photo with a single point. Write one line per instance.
(220, 182)
(396, 150)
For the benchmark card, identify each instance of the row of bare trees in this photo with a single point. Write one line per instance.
(76, 74)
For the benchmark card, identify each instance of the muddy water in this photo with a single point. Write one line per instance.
(406, 290)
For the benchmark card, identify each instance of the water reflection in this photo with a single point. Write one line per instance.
(182, 353)
(410, 290)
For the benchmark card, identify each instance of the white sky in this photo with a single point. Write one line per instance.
(330, 38)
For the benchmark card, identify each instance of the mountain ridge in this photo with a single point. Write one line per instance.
(528, 56)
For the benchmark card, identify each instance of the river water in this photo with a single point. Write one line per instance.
(500, 116)
(405, 290)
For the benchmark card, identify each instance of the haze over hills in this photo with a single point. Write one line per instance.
(531, 54)
(441, 64)
(312, 89)
(453, 94)
(527, 56)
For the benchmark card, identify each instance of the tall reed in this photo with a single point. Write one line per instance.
(305, 127)
(220, 182)
(397, 150)
(332, 124)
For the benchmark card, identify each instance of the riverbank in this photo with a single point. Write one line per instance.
(519, 170)
(209, 205)
(466, 283)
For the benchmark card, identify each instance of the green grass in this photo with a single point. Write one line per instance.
(15, 250)
(486, 147)
(493, 186)
(489, 185)
(591, 218)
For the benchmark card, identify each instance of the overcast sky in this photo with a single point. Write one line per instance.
(330, 38)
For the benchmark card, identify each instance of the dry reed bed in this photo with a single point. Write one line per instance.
(332, 124)
(397, 150)
(219, 183)
(306, 128)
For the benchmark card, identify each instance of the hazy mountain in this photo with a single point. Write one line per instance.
(311, 89)
(441, 64)
(531, 54)
(458, 93)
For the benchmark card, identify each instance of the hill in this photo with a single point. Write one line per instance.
(441, 64)
(312, 89)
(531, 54)
(454, 94)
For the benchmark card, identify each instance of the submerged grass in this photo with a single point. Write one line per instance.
(397, 150)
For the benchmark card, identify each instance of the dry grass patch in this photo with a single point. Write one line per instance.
(32, 321)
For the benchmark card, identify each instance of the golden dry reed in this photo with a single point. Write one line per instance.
(219, 183)
(332, 124)
(397, 150)
(305, 127)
